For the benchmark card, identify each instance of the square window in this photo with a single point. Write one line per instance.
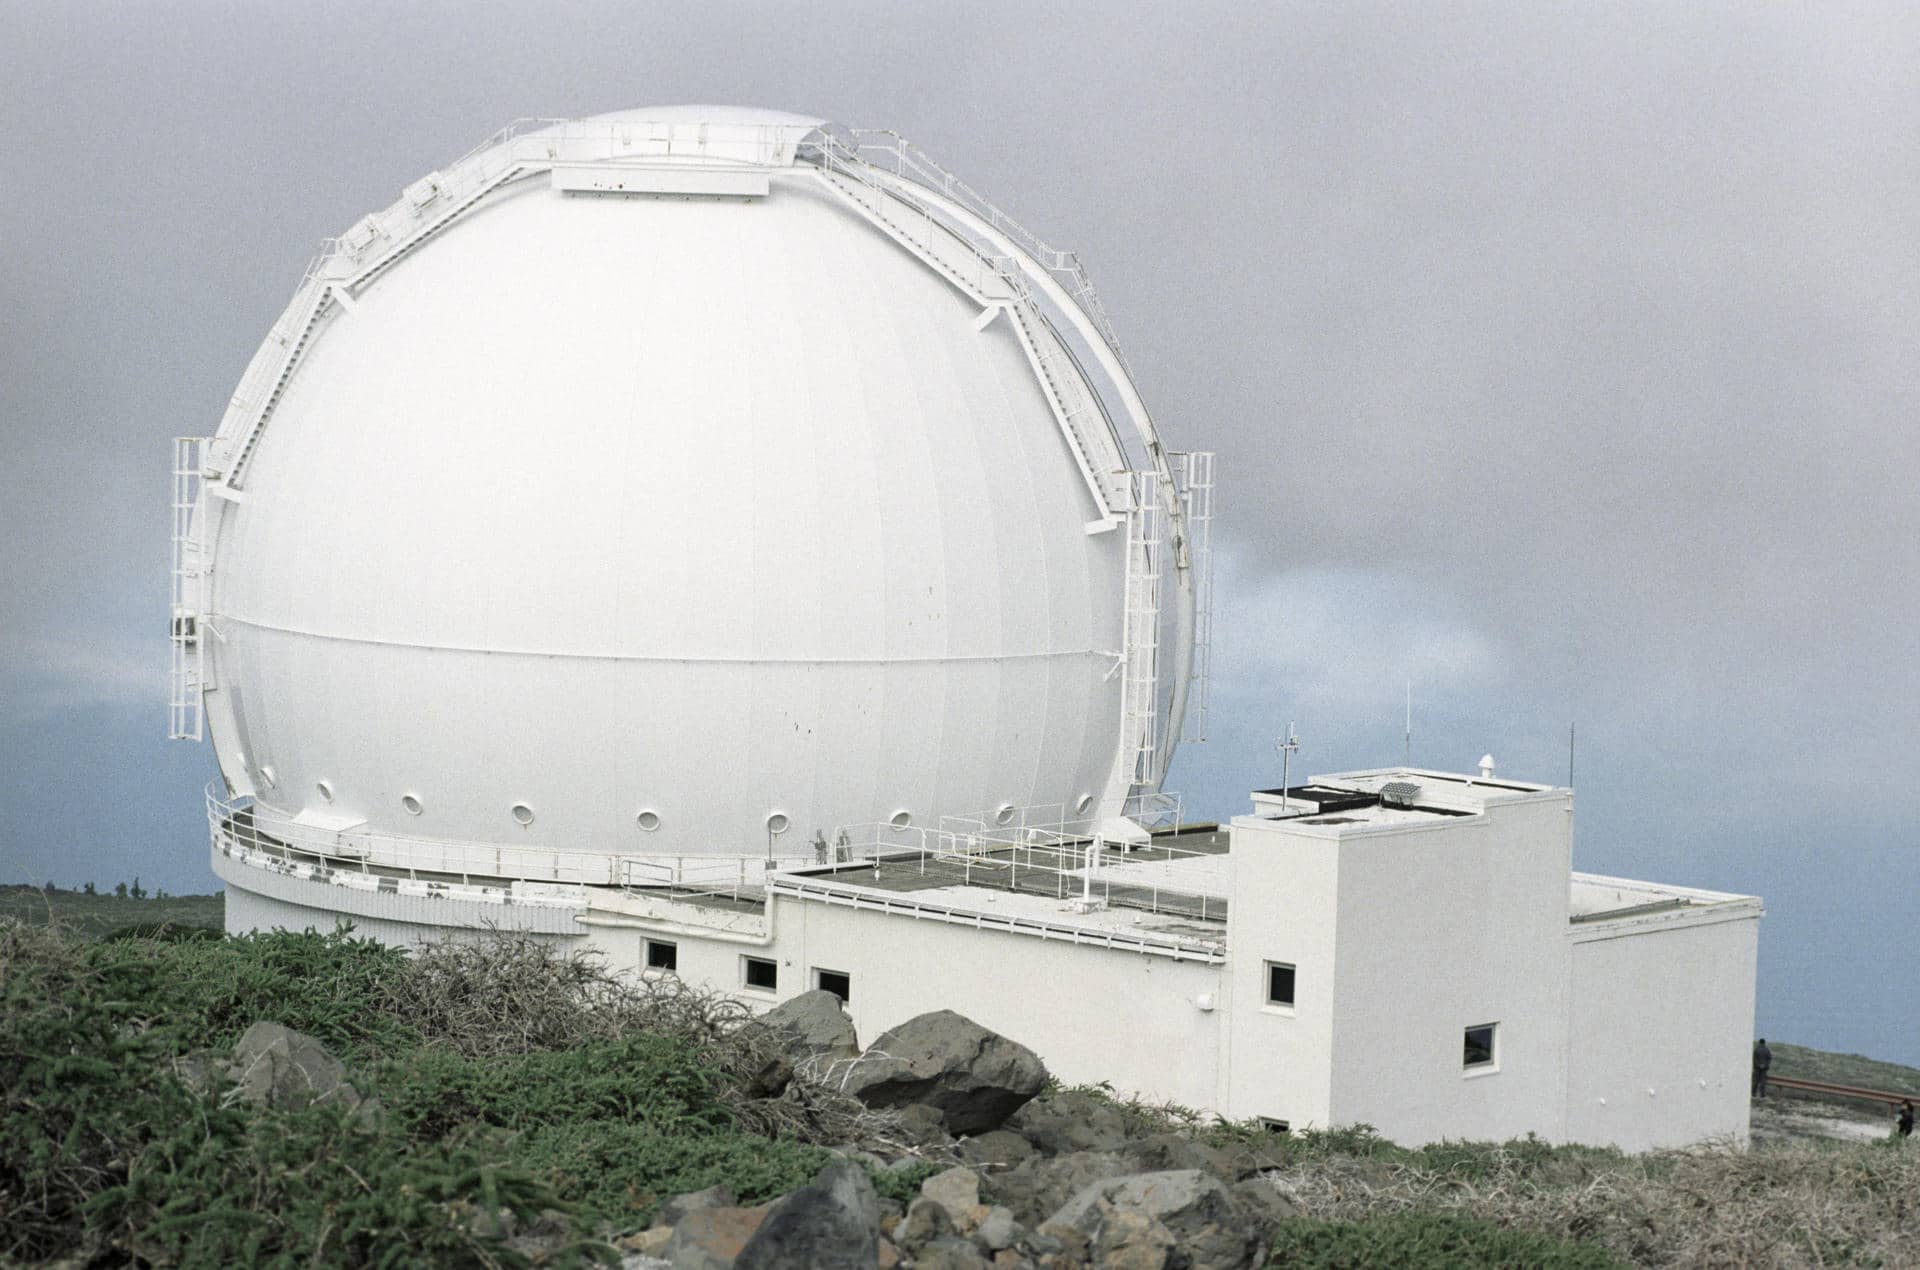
(1279, 983)
(662, 955)
(1480, 1050)
(838, 982)
(761, 973)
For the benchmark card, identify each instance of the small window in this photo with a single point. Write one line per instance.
(1279, 983)
(663, 955)
(761, 973)
(1274, 1126)
(1480, 1050)
(838, 982)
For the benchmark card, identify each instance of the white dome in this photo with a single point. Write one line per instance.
(629, 524)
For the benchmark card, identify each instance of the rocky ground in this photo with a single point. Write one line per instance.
(1026, 1178)
(1013, 1174)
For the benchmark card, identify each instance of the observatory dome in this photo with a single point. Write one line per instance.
(681, 481)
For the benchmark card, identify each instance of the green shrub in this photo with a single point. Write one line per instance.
(1432, 1241)
(205, 994)
(623, 1171)
(658, 1082)
(232, 1186)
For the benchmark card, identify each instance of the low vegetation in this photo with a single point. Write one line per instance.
(518, 1087)
(597, 1103)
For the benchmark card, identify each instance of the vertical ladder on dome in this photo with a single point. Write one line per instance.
(1193, 479)
(1141, 669)
(188, 672)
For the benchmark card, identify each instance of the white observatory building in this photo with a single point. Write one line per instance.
(725, 540)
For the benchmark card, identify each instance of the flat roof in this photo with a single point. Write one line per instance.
(1389, 796)
(1593, 897)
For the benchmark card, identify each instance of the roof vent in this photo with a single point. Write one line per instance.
(1398, 793)
(1486, 767)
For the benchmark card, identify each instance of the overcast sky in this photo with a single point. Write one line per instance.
(1561, 359)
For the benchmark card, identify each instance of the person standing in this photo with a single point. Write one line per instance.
(1905, 1122)
(1762, 1060)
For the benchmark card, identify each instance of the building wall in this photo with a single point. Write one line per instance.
(1662, 1032)
(1441, 928)
(1093, 1014)
(248, 911)
(1278, 1062)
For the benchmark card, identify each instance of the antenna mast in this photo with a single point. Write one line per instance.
(1287, 750)
(1408, 761)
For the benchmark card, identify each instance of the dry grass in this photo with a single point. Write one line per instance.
(1806, 1204)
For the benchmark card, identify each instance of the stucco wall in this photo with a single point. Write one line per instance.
(1441, 928)
(1662, 1033)
(1284, 902)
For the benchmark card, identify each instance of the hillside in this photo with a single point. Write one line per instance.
(101, 914)
(1804, 1063)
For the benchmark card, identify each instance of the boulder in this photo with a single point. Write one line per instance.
(1036, 1189)
(712, 1238)
(922, 1127)
(830, 1223)
(1001, 1149)
(1212, 1229)
(812, 1031)
(278, 1067)
(925, 1221)
(693, 1202)
(200, 1071)
(1269, 1203)
(955, 1190)
(1071, 1120)
(1131, 1240)
(1165, 1152)
(973, 1077)
(997, 1230)
(950, 1253)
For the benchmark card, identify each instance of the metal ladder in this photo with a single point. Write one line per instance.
(1141, 619)
(185, 714)
(1193, 478)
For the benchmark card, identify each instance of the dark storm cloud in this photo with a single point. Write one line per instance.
(1561, 359)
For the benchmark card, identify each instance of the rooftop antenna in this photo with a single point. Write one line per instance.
(1287, 748)
(1569, 755)
(1408, 761)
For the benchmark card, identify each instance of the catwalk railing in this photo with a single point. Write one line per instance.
(245, 823)
(1072, 861)
(1045, 841)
